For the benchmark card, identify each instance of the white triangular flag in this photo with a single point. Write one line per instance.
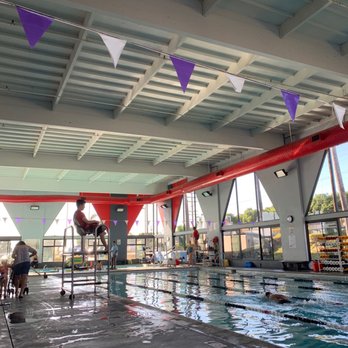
(339, 112)
(114, 46)
(237, 82)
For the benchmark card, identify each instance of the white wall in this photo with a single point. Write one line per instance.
(290, 196)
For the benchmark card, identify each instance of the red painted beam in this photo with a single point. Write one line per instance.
(300, 148)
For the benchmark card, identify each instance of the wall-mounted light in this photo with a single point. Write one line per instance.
(34, 207)
(280, 173)
(207, 193)
(164, 206)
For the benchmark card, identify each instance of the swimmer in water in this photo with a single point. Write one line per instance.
(277, 298)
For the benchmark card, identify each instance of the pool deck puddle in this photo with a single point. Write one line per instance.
(45, 319)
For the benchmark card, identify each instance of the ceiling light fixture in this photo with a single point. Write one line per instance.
(207, 193)
(280, 173)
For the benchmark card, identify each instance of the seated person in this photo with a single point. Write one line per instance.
(277, 298)
(88, 226)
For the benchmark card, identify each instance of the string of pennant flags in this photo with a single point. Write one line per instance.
(209, 223)
(36, 23)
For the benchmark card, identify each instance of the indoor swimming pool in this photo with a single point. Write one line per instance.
(316, 317)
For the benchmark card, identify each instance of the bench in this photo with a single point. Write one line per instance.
(295, 265)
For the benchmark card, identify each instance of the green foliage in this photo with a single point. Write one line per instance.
(322, 203)
(249, 215)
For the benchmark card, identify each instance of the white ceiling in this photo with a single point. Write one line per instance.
(70, 122)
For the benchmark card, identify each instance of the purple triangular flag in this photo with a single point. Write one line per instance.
(137, 222)
(158, 222)
(184, 70)
(291, 101)
(209, 222)
(43, 220)
(18, 220)
(115, 222)
(34, 25)
(69, 221)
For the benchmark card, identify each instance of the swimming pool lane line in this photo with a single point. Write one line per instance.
(250, 291)
(245, 307)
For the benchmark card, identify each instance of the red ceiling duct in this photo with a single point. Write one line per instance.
(303, 147)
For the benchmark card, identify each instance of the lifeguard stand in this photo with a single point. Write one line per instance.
(74, 281)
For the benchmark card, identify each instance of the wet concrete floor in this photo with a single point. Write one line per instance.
(45, 319)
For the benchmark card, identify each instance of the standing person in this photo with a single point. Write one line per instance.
(195, 236)
(189, 252)
(114, 254)
(21, 266)
(89, 226)
(3, 277)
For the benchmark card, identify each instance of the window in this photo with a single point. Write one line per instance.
(149, 221)
(65, 218)
(249, 202)
(318, 229)
(266, 243)
(190, 213)
(271, 244)
(322, 201)
(227, 242)
(250, 243)
(7, 226)
(277, 243)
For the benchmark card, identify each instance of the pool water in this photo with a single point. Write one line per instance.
(251, 313)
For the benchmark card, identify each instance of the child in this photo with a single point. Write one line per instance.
(3, 277)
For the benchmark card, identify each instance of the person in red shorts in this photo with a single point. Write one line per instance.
(88, 226)
(195, 235)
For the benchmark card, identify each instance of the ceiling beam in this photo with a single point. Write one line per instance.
(171, 153)
(25, 173)
(263, 98)
(302, 16)
(62, 174)
(303, 110)
(39, 140)
(208, 6)
(206, 155)
(89, 144)
(133, 148)
(257, 38)
(72, 60)
(157, 64)
(91, 163)
(127, 178)
(234, 69)
(81, 119)
(96, 176)
(155, 179)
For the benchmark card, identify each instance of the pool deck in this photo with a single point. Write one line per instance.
(45, 319)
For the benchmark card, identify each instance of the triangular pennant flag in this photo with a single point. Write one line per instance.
(18, 220)
(69, 221)
(43, 220)
(137, 222)
(114, 46)
(237, 82)
(184, 71)
(5, 219)
(34, 25)
(339, 111)
(291, 101)
(103, 221)
(115, 222)
(158, 222)
(209, 222)
(57, 220)
(126, 221)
